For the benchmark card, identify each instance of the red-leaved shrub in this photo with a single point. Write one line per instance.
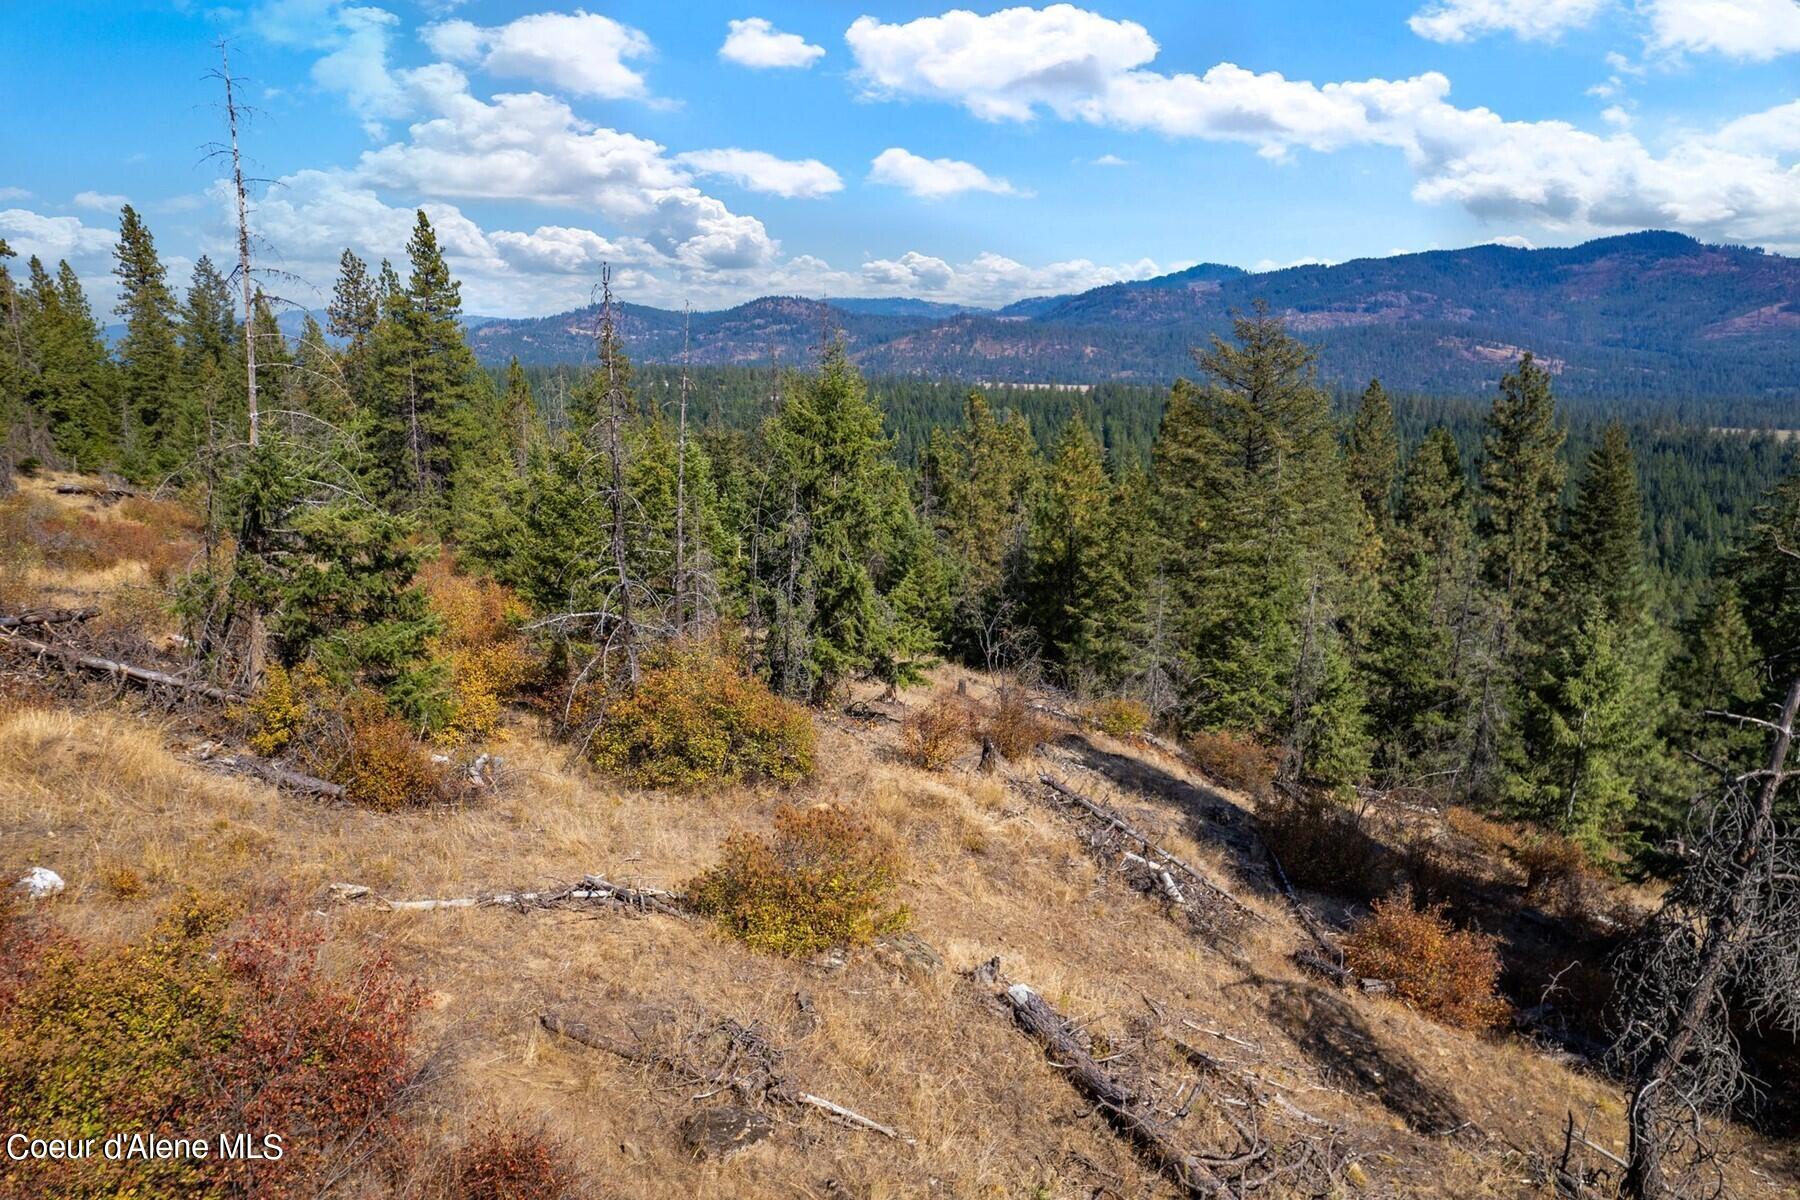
(502, 1162)
(936, 733)
(1235, 759)
(194, 1032)
(1447, 973)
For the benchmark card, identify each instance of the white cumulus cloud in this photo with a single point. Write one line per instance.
(1000, 66)
(754, 42)
(1737, 183)
(911, 272)
(1533, 20)
(51, 238)
(1757, 30)
(99, 201)
(992, 279)
(806, 178)
(933, 178)
(581, 53)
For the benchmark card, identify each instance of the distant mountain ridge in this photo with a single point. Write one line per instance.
(1651, 315)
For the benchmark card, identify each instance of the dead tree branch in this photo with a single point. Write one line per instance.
(1723, 942)
(277, 774)
(1306, 1164)
(592, 891)
(718, 1054)
(47, 617)
(118, 670)
(1155, 865)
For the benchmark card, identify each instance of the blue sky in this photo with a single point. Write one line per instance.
(714, 152)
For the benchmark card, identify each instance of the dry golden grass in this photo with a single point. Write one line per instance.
(98, 794)
(114, 804)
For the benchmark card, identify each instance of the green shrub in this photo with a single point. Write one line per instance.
(697, 718)
(822, 880)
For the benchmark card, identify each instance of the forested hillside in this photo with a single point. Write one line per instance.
(359, 563)
(1648, 317)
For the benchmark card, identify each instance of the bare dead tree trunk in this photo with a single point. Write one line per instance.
(1728, 928)
(258, 650)
(687, 319)
(1122, 1109)
(615, 453)
(243, 240)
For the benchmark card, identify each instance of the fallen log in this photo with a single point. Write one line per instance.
(846, 1115)
(591, 890)
(577, 1030)
(280, 776)
(1165, 862)
(46, 617)
(1112, 1098)
(1341, 975)
(106, 493)
(1324, 943)
(119, 670)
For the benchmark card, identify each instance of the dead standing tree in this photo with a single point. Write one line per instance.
(1725, 943)
(627, 611)
(258, 635)
(615, 454)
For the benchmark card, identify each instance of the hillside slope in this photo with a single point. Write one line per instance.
(103, 789)
(1639, 317)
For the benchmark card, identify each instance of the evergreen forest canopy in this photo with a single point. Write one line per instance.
(1488, 603)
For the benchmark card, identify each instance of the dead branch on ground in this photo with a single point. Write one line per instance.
(117, 670)
(719, 1054)
(1154, 869)
(1304, 1164)
(47, 617)
(592, 891)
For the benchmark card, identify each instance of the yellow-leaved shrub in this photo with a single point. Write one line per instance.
(478, 641)
(823, 879)
(1119, 716)
(286, 707)
(697, 717)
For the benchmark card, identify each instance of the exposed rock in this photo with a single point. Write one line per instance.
(831, 961)
(721, 1132)
(909, 952)
(39, 883)
(806, 1017)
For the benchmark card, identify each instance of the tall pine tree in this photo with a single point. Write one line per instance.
(1372, 458)
(1255, 509)
(70, 383)
(434, 408)
(153, 417)
(1424, 618)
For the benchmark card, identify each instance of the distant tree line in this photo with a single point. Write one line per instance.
(1477, 603)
